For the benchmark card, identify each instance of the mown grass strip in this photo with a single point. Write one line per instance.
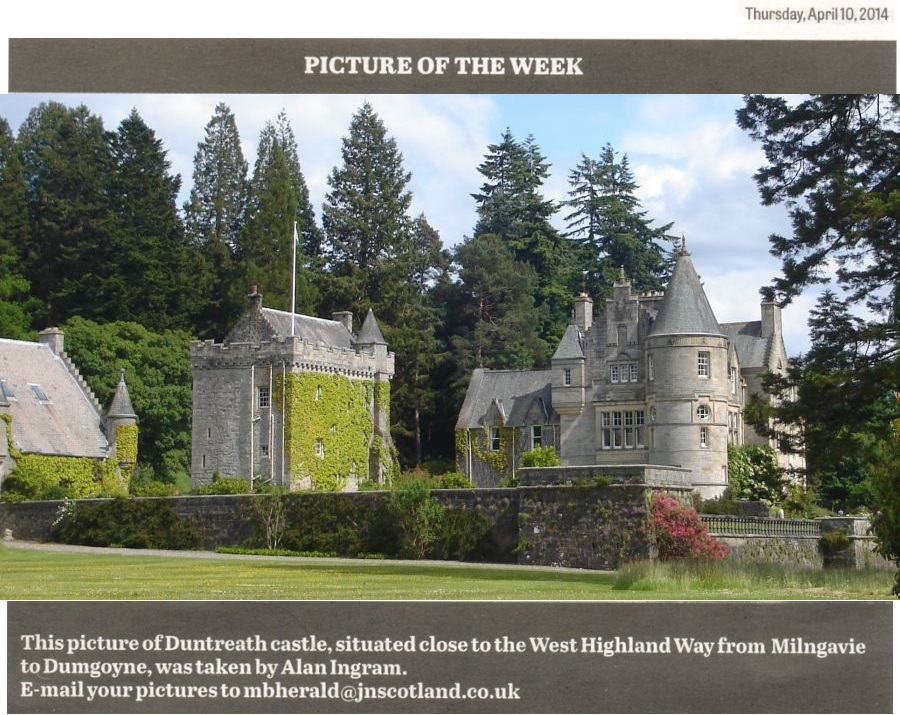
(36, 574)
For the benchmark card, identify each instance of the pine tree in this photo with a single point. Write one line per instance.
(157, 267)
(213, 219)
(71, 255)
(412, 334)
(309, 232)
(510, 205)
(16, 307)
(834, 162)
(610, 229)
(500, 328)
(265, 254)
(365, 215)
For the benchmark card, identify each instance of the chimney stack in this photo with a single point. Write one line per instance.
(53, 338)
(345, 317)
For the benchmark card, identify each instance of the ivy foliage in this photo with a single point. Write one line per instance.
(40, 477)
(328, 427)
(540, 457)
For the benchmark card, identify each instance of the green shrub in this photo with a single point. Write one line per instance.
(540, 457)
(460, 533)
(338, 523)
(225, 485)
(417, 515)
(131, 523)
(453, 480)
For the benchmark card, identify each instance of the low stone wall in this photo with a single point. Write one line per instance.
(592, 527)
(583, 527)
(646, 474)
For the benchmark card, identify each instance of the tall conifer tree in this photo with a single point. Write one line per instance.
(611, 230)
(72, 253)
(16, 307)
(157, 268)
(511, 206)
(213, 219)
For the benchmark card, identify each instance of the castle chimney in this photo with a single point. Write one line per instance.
(345, 317)
(584, 312)
(771, 319)
(53, 338)
(255, 297)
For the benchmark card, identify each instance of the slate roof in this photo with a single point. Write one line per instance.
(318, 331)
(685, 309)
(121, 401)
(66, 422)
(370, 333)
(571, 345)
(515, 391)
(753, 350)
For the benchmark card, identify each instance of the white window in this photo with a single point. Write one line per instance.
(703, 364)
(537, 434)
(318, 393)
(622, 429)
(263, 397)
(264, 450)
(703, 412)
(567, 376)
(320, 449)
(732, 379)
(650, 367)
(633, 372)
(623, 372)
(613, 373)
(734, 435)
(495, 439)
(704, 436)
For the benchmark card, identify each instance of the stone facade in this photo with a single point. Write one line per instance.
(655, 380)
(294, 401)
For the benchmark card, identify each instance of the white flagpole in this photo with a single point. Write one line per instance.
(293, 280)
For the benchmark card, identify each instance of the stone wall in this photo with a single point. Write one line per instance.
(648, 474)
(583, 527)
(590, 527)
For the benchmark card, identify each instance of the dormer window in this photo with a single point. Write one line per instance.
(6, 391)
(38, 392)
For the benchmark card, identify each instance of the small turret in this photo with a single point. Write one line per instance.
(121, 428)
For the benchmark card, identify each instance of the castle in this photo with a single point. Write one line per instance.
(656, 381)
(292, 401)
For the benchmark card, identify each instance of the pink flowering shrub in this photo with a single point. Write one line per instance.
(680, 533)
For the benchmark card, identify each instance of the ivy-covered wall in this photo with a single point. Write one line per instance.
(42, 476)
(329, 427)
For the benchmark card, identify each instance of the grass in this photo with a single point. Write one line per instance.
(52, 575)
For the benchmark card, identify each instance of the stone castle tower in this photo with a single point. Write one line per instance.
(654, 382)
(293, 401)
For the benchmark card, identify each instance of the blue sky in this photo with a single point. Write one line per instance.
(693, 165)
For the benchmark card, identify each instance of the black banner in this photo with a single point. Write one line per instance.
(423, 657)
(450, 66)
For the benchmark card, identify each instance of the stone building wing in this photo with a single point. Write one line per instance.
(685, 309)
(52, 412)
(516, 394)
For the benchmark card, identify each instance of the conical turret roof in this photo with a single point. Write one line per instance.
(571, 345)
(685, 310)
(120, 406)
(370, 333)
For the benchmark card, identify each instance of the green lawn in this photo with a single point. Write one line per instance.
(38, 574)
